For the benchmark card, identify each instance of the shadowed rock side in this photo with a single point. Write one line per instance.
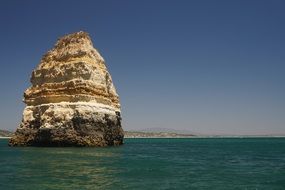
(72, 100)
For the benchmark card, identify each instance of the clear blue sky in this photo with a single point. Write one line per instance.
(211, 67)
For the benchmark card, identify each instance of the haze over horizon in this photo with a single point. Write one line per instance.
(210, 67)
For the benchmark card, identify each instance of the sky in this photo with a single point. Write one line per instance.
(208, 67)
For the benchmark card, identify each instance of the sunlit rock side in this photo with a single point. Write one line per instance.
(72, 100)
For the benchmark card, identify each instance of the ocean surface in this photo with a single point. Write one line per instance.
(202, 163)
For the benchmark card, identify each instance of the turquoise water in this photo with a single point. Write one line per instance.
(228, 163)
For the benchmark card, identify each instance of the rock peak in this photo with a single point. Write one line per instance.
(77, 37)
(71, 47)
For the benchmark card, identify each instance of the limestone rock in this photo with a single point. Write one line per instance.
(72, 100)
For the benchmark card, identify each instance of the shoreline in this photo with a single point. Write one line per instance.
(202, 137)
(195, 137)
(5, 137)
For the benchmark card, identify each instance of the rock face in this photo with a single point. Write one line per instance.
(72, 100)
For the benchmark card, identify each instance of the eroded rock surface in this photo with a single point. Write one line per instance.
(72, 100)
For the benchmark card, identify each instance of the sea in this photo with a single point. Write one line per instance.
(148, 163)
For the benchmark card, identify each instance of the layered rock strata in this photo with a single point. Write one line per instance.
(72, 100)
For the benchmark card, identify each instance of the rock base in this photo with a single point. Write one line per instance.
(66, 124)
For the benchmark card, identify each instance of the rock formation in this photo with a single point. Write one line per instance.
(72, 100)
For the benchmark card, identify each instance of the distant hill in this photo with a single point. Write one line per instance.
(158, 133)
(166, 130)
(5, 133)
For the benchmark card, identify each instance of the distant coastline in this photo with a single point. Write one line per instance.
(5, 137)
(157, 134)
(4, 134)
(141, 134)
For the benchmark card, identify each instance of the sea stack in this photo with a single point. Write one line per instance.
(72, 100)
